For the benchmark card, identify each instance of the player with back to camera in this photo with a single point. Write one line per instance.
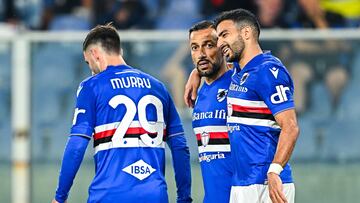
(130, 116)
(261, 119)
(209, 115)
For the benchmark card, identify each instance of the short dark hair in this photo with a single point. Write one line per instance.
(240, 17)
(205, 24)
(106, 35)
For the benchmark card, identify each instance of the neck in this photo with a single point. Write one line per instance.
(249, 53)
(114, 60)
(221, 72)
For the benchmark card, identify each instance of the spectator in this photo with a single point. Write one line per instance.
(126, 14)
(329, 13)
(210, 8)
(67, 14)
(309, 62)
(178, 14)
(8, 12)
(275, 13)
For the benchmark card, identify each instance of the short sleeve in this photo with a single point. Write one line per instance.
(84, 115)
(276, 88)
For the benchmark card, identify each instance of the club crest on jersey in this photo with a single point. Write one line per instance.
(244, 78)
(221, 95)
(205, 137)
(139, 169)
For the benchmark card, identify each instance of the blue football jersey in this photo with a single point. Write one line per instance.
(129, 115)
(257, 92)
(209, 123)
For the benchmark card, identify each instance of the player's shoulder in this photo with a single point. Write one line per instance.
(85, 84)
(154, 81)
(89, 81)
(270, 61)
(151, 78)
(272, 67)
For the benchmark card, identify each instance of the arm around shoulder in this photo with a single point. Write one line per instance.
(191, 88)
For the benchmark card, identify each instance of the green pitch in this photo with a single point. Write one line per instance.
(315, 182)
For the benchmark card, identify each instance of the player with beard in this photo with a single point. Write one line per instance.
(209, 115)
(261, 118)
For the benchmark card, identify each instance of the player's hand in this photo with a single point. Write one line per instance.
(276, 188)
(191, 88)
(54, 201)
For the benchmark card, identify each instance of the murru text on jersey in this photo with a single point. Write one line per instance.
(131, 81)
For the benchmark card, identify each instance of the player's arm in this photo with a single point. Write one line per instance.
(191, 88)
(81, 133)
(73, 156)
(180, 154)
(181, 163)
(288, 136)
(287, 139)
(277, 91)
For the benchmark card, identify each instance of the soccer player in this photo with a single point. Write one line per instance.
(209, 115)
(130, 116)
(261, 119)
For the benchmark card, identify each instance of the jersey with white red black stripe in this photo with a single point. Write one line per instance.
(129, 114)
(257, 92)
(209, 123)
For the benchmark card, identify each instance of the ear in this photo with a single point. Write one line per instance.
(246, 33)
(94, 52)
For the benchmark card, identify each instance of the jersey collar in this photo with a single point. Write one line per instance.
(123, 67)
(256, 60)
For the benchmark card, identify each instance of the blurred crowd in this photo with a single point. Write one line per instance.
(304, 59)
(173, 14)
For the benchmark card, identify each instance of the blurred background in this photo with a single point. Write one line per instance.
(41, 66)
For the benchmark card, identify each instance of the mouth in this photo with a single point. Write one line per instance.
(225, 50)
(203, 64)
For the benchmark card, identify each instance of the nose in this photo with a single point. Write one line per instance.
(202, 53)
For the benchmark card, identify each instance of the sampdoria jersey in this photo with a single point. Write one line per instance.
(129, 155)
(260, 90)
(209, 123)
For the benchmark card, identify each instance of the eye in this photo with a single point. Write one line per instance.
(223, 34)
(194, 48)
(209, 45)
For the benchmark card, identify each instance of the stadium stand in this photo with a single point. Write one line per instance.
(5, 104)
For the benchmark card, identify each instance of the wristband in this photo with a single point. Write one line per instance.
(275, 168)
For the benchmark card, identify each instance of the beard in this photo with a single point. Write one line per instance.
(211, 72)
(235, 57)
(236, 48)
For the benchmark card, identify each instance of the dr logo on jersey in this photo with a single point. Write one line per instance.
(280, 95)
(139, 169)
